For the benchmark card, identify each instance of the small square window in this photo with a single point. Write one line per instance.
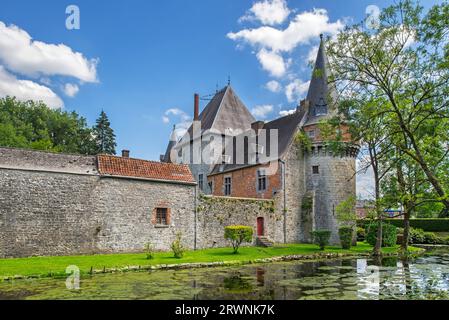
(316, 170)
(162, 216)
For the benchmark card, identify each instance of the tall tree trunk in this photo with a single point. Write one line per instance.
(377, 251)
(406, 204)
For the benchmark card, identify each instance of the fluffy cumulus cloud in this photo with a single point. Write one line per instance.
(22, 56)
(273, 86)
(296, 90)
(274, 46)
(71, 90)
(304, 27)
(284, 113)
(269, 12)
(261, 112)
(272, 62)
(27, 90)
(181, 119)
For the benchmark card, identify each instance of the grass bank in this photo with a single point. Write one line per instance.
(54, 266)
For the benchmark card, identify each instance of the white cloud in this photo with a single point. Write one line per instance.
(284, 113)
(71, 90)
(21, 54)
(27, 90)
(311, 56)
(268, 12)
(182, 120)
(295, 90)
(273, 86)
(304, 27)
(262, 111)
(272, 62)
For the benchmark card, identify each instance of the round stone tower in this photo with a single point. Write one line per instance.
(330, 174)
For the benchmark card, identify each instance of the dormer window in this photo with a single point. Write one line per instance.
(321, 108)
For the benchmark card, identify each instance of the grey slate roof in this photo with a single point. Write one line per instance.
(225, 111)
(321, 94)
(287, 127)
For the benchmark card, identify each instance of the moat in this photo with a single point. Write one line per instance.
(425, 277)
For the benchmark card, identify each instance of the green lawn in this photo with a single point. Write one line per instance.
(43, 266)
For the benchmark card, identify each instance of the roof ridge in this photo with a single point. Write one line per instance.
(149, 161)
(225, 89)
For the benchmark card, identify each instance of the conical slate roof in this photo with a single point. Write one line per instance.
(322, 96)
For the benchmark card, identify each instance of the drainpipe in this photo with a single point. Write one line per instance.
(285, 200)
(195, 205)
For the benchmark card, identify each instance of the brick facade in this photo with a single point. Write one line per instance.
(245, 183)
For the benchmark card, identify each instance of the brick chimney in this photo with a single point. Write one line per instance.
(196, 110)
(257, 126)
(125, 153)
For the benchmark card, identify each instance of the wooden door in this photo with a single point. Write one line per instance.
(260, 227)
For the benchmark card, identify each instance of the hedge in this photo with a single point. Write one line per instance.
(429, 225)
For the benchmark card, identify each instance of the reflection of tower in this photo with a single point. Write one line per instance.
(330, 176)
(260, 275)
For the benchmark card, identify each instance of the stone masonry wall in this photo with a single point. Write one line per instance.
(51, 213)
(215, 213)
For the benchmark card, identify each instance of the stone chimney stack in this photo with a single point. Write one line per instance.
(125, 153)
(257, 126)
(196, 110)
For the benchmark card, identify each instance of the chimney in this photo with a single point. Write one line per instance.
(196, 110)
(125, 153)
(304, 105)
(257, 126)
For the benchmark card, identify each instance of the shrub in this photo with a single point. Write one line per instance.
(431, 238)
(416, 236)
(237, 235)
(177, 247)
(389, 234)
(321, 238)
(149, 251)
(361, 234)
(346, 235)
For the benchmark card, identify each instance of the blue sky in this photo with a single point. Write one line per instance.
(142, 61)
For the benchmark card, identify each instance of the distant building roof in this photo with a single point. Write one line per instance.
(135, 168)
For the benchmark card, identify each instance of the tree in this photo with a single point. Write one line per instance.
(237, 235)
(404, 63)
(104, 135)
(35, 126)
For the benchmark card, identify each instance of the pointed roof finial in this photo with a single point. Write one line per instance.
(229, 80)
(321, 36)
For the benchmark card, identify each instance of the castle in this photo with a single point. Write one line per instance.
(228, 169)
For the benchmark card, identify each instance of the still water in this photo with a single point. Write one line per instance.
(425, 277)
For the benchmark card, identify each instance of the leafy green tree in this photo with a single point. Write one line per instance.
(237, 235)
(33, 125)
(405, 65)
(104, 135)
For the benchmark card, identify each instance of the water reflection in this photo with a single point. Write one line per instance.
(424, 278)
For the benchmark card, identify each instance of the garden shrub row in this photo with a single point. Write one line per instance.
(429, 225)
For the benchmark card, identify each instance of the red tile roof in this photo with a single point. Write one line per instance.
(135, 168)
